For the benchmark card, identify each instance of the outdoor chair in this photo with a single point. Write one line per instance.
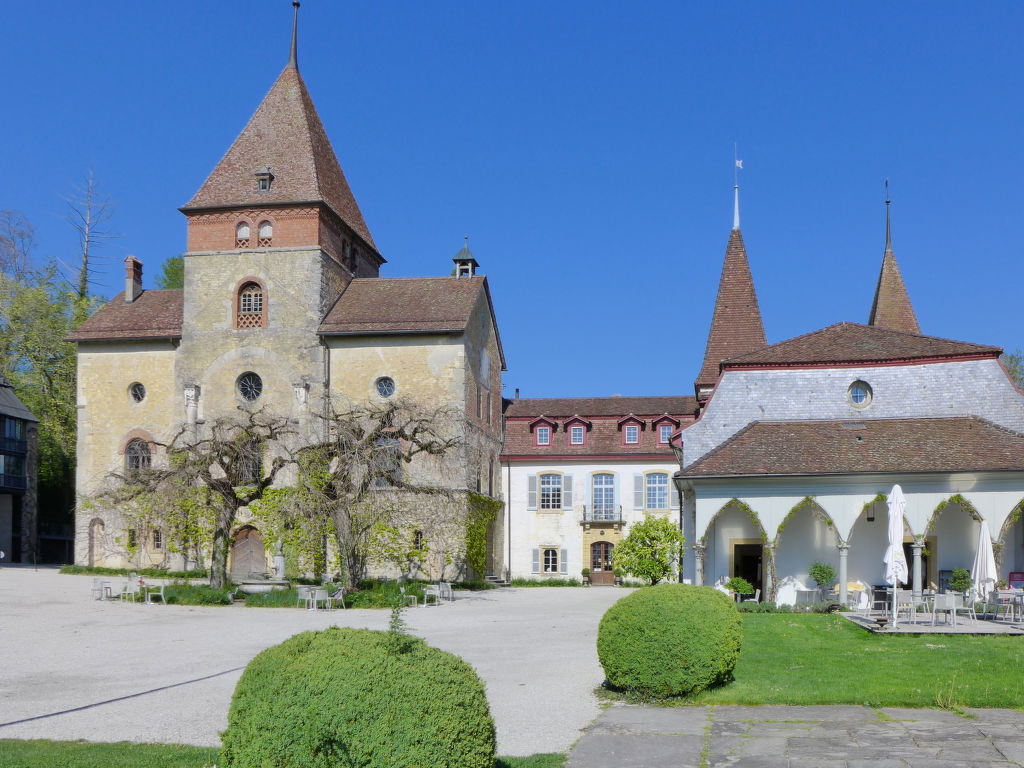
(129, 589)
(433, 591)
(904, 602)
(339, 596)
(945, 603)
(101, 589)
(154, 592)
(999, 600)
(304, 594)
(407, 598)
(319, 596)
(964, 606)
(447, 593)
(755, 599)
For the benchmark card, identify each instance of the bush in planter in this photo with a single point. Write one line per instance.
(960, 581)
(670, 640)
(353, 697)
(740, 586)
(824, 574)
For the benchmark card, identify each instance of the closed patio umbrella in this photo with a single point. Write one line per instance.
(895, 561)
(983, 574)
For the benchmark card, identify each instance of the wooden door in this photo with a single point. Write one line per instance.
(248, 557)
(601, 573)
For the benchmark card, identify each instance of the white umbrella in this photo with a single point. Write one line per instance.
(983, 574)
(895, 561)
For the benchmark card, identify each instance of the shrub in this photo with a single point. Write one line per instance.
(824, 574)
(960, 581)
(740, 586)
(199, 594)
(521, 582)
(350, 697)
(652, 550)
(670, 640)
(155, 573)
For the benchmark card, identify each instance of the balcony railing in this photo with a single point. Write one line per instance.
(13, 445)
(13, 482)
(603, 513)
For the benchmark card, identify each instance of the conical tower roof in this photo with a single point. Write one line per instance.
(891, 307)
(736, 326)
(285, 135)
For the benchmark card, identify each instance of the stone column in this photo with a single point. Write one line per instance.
(698, 564)
(844, 550)
(768, 593)
(192, 407)
(916, 548)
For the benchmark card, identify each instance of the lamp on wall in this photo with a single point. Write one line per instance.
(871, 513)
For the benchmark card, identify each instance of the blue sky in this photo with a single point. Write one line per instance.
(586, 148)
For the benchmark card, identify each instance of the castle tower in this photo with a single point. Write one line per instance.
(891, 307)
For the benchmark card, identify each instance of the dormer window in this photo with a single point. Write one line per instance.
(543, 435)
(264, 178)
(242, 234)
(632, 434)
(266, 233)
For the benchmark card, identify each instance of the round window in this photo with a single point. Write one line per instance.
(137, 392)
(859, 394)
(385, 386)
(250, 386)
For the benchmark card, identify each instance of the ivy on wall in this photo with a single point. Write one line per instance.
(480, 511)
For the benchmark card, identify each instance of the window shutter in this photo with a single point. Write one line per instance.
(536, 561)
(531, 493)
(675, 493)
(567, 502)
(563, 561)
(638, 491)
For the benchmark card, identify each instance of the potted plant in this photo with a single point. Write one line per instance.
(586, 575)
(823, 574)
(960, 581)
(618, 577)
(739, 586)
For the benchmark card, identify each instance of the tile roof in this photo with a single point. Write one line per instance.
(286, 135)
(736, 326)
(408, 305)
(955, 444)
(600, 416)
(891, 307)
(153, 315)
(855, 343)
(588, 407)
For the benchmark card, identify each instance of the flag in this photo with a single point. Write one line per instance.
(739, 164)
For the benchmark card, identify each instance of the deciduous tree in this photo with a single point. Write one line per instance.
(652, 550)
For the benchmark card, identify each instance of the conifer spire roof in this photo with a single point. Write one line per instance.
(285, 135)
(891, 307)
(736, 326)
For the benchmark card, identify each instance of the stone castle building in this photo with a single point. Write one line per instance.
(283, 308)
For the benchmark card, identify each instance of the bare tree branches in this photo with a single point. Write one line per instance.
(17, 237)
(89, 214)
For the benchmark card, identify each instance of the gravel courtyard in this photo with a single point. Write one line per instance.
(154, 673)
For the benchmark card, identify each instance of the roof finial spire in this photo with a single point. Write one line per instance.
(888, 235)
(293, 59)
(736, 187)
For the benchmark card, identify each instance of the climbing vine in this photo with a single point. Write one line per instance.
(956, 498)
(481, 510)
(768, 548)
(808, 502)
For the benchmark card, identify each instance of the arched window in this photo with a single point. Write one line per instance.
(251, 306)
(137, 458)
(266, 234)
(242, 234)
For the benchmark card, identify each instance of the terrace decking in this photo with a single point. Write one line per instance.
(921, 624)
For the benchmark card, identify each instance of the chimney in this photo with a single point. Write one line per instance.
(132, 279)
(517, 393)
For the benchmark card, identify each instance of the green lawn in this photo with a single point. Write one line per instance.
(80, 754)
(823, 659)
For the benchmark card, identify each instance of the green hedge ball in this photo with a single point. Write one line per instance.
(670, 640)
(356, 697)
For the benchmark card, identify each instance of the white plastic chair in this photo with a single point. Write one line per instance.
(304, 595)
(945, 603)
(407, 598)
(319, 596)
(432, 592)
(962, 606)
(904, 602)
(154, 592)
(130, 588)
(755, 599)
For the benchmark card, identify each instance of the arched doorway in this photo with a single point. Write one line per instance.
(248, 556)
(1010, 547)
(805, 536)
(734, 542)
(601, 571)
(96, 531)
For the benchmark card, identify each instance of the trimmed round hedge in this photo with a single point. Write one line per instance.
(355, 697)
(670, 640)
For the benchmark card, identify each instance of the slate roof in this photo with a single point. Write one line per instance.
(601, 416)
(736, 326)
(956, 444)
(377, 305)
(153, 315)
(286, 135)
(10, 405)
(891, 307)
(855, 343)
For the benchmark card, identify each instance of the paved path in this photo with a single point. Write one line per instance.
(166, 673)
(628, 736)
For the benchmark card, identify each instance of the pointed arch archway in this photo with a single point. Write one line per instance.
(868, 539)
(1009, 549)
(951, 539)
(806, 535)
(735, 543)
